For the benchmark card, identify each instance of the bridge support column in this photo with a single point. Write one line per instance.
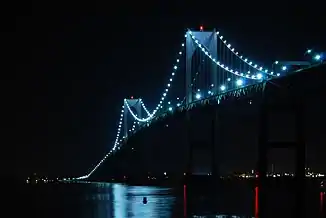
(209, 40)
(210, 146)
(264, 145)
(190, 145)
(135, 106)
(215, 128)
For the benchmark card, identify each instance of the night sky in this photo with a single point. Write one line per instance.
(76, 63)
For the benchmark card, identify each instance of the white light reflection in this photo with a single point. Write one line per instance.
(119, 200)
(158, 204)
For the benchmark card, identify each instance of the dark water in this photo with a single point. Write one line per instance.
(104, 200)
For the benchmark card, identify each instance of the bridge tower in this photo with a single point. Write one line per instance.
(135, 106)
(293, 103)
(209, 40)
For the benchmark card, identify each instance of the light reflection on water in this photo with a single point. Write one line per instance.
(127, 201)
(104, 200)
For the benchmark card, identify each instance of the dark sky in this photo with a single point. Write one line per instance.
(76, 63)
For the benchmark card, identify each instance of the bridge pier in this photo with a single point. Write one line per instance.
(215, 128)
(214, 135)
(190, 145)
(264, 145)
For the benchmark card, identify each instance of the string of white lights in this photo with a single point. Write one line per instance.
(133, 126)
(144, 107)
(149, 117)
(253, 77)
(164, 94)
(116, 145)
(116, 142)
(245, 60)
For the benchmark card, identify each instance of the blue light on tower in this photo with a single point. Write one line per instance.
(284, 68)
(222, 88)
(170, 108)
(239, 82)
(259, 76)
(198, 96)
(317, 57)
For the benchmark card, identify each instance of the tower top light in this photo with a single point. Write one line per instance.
(201, 28)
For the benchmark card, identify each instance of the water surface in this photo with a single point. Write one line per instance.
(106, 200)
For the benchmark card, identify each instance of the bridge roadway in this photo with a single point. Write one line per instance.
(164, 146)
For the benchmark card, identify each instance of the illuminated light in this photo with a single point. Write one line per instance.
(276, 62)
(322, 202)
(317, 57)
(198, 96)
(309, 51)
(256, 202)
(184, 200)
(132, 97)
(117, 145)
(284, 68)
(209, 92)
(222, 87)
(259, 76)
(239, 82)
(178, 105)
(201, 28)
(240, 56)
(216, 62)
(170, 108)
(229, 79)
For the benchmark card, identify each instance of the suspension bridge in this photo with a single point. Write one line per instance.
(213, 71)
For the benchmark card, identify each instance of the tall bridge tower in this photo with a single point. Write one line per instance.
(208, 39)
(136, 107)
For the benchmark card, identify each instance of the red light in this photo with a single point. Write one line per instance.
(184, 200)
(201, 28)
(132, 97)
(256, 202)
